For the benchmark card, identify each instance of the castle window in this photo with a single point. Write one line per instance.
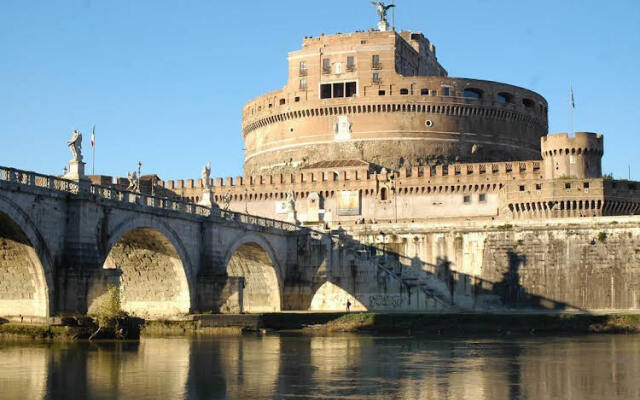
(538, 186)
(424, 92)
(297, 99)
(528, 103)
(472, 93)
(375, 62)
(303, 68)
(522, 188)
(325, 91)
(567, 186)
(351, 65)
(381, 92)
(376, 77)
(283, 101)
(446, 91)
(337, 68)
(351, 89)
(434, 92)
(504, 98)
(303, 83)
(383, 194)
(482, 197)
(586, 185)
(338, 89)
(404, 91)
(326, 66)
(466, 199)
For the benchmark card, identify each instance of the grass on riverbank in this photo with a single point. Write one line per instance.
(483, 323)
(42, 332)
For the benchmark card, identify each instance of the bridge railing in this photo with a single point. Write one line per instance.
(38, 180)
(55, 183)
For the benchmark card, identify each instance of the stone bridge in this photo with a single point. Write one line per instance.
(64, 242)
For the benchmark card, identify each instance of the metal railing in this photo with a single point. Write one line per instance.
(57, 184)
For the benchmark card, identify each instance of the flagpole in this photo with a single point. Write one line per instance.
(571, 106)
(93, 148)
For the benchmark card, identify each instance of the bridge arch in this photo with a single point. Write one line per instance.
(26, 279)
(155, 268)
(253, 258)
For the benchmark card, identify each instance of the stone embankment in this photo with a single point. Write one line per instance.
(450, 324)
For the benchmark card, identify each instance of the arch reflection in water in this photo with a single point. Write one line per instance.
(154, 369)
(265, 367)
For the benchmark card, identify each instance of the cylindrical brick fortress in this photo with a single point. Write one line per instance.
(382, 97)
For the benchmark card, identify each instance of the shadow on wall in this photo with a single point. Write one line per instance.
(463, 291)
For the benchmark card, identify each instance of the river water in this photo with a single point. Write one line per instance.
(317, 367)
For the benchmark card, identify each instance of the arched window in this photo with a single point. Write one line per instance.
(472, 93)
(528, 103)
(504, 97)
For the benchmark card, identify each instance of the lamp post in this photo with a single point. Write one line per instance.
(139, 169)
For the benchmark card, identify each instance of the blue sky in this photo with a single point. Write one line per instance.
(165, 81)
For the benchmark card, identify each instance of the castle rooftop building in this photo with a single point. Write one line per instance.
(370, 128)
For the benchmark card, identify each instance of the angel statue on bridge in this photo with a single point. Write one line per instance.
(206, 176)
(382, 10)
(75, 144)
(133, 181)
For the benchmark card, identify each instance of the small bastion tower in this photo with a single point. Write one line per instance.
(572, 157)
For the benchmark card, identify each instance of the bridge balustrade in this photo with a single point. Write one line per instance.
(55, 183)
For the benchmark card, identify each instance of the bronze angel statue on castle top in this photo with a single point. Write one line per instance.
(382, 9)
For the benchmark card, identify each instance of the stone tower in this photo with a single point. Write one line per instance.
(572, 157)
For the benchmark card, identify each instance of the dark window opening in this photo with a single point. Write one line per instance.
(383, 194)
(297, 99)
(404, 91)
(522, 188)
(467, 199)
(482, 197)
(350, 89)
(326, 65)
(567, 186)
(338, 90)
(376, 77)
(375, 61)
(434, 92)
(538, 186)
(472, 93)
(282, 101)
(586, 185)
(351, 65)
(504, 98)
(446, 91)
(325, 91)
(424, 92)
(381, 92)
(527, 103)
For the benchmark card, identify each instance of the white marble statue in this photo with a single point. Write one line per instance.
(291, 200)
(75, 144)
(206, 175)
(133, 181)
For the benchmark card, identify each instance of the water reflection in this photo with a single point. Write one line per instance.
(262, 367)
